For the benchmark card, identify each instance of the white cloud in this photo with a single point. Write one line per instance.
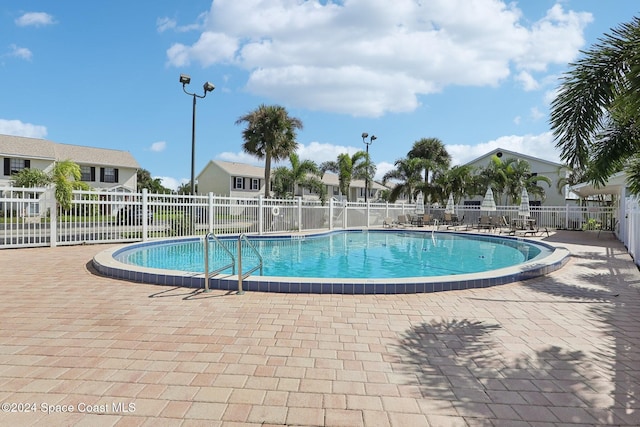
(240, 157)
(382, 168)
(20, 52)
(517, 120)
(170, 182)
(181, 55)
(35, 19)
(527, 80)
(164, 24)
(536, 114)
(158, 146)
(541, 146)
(323, 152)
(18, 128)
(550, 95)
(367, 59)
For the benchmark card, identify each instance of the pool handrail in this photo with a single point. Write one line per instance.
(241, 275)
(206, 259)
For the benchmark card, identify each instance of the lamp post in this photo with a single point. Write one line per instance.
(366, 181)
(208, 87)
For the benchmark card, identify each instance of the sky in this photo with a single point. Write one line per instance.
(476, 74)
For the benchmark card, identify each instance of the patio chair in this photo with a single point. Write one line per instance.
(404, 221)
(452, 221)
(484, 223)
(388, 222)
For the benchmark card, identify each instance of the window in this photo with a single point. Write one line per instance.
(13, 166)
(108, 175)
(255, 184)
(88, 173)
(238, 183)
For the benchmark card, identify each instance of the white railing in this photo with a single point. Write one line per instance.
(31, 217)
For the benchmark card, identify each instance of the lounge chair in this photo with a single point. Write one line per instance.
(388, 222)
(534, 229)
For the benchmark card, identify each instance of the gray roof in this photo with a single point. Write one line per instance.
(240, 169)
(19, 146)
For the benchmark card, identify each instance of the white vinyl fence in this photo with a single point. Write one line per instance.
(31, 217)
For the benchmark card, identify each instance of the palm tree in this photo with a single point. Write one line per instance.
(596, 114)
(434, 154)
(458, 180)
(348, 168)
(270, 135)
(408, 174)
(305, 174)
(435, 160)
(66, 176)
(508, 177)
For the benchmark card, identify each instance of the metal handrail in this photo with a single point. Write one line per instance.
(206, 260)
(241, 275)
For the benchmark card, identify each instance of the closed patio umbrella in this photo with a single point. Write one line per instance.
(524, 209)
(450, 208)
(488, 203)
(420, 204)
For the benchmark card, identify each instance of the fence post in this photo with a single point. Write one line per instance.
(566, 217)
(210, 210)
(53, 218)
(331, 213)
(260, 214)
(368, 211)
(145, 215)
(345, 207)
(299, 214)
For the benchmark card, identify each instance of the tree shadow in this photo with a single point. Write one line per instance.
(462, 367)
(610, 282)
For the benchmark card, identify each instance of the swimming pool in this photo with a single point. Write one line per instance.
(355, 261)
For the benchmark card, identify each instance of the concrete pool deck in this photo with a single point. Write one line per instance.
(561, 349)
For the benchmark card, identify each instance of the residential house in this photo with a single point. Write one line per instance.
(101, 168)
(552, 170)
(243, 180)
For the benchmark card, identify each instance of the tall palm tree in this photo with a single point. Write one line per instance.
(270, 135)
(305, 174)
(434, 154)
(348, 168)
(408, 174)
(596, 115)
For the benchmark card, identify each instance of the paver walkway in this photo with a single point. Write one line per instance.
(559, 350)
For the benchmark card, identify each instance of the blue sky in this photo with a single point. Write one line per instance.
(477, 74)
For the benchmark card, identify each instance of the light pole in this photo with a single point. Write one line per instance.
(366, 181)
(208, 87)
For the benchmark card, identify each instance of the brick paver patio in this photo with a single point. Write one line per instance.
(558, 350)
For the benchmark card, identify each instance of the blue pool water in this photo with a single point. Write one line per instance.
(365, 255)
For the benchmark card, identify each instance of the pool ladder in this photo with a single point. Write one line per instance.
(241, 275)
(232, 265)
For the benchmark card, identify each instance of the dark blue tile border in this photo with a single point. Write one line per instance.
(356, 287)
